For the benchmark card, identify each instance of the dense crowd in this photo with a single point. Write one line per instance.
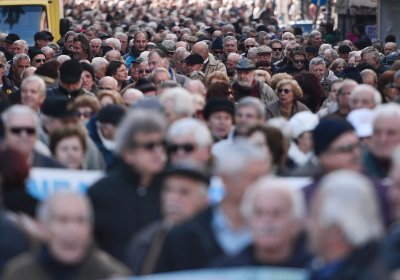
(198, 113)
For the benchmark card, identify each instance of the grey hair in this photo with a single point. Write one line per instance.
(385, 111)
(97, 62)
(253, 102)
(120, 34)
(317, 61)
(193, 127)
(362, 89)
(367, 72)
(232, 157)
(345, 196)
(62, 58)
(252, 52)
(157, 71)
(270, 184)
(372, 50)
(182, 101)
(115, 42)
(333, 53)
(45, 209)
(138, 121)
(19, 110)
(21, 56)
(322, 49)
(397, 75)
(229, 38)
(37, 79)
(23, 43)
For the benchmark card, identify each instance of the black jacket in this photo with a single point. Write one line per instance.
(122, 208)
(191, 245)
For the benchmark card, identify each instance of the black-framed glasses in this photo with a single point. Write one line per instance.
(40, 60)
(186, 147)
(18, 130)
(277, 49)
(284, 90)
(151, 145)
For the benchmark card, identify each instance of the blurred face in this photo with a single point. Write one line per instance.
(124, 43)
(299, 61)
(144, 70)
(245, 77)
(38, 60)
(148, 155)
(272, 223)
(140, 42)
(21, 65)
(18, 48)
(79, 53)
(182, 198)
(160, 78)
(245, 118)
(231, 65)
(318, 70)
(154, 61)
(343, 96)
(363, 100)
(276, 50)
(21, 133)
(339, 68)
(69, 151)
(390, 91)
(121, 74)
(90, 34)
(69, 230)
(258, 139)
(95, 47)
(85, 112)
(369, 58)
(250, 43)
(106, 100)
(316, 40)
(220, 123)
(334, 91)
(230, 47)
(87, 80)
(285, 94)
(343, 153)
(389, 48)
(386, 136)
(185, 148)
(394, 192)
(135, 71)
(69, 43)
(31, 95)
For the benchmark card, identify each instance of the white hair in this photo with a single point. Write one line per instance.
(33, 79)
(283, 125)
(363, 89)
(349, 201)
(116, 44)
(182, 101)
(385, 111)
(97, 62)
(193, 127)
(21, 56)
(253, 102)
(63, 58)
(324, 47)
(24, 44)
(270, 184)
(19, 110)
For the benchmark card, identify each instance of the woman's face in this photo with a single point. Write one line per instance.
(285, 94)
(390, 92)
(121, 74)
(258, 139)
(69, 152)
(87, 80)
(339, 68)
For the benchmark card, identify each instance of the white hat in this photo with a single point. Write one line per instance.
(303, 122)
(361, 119)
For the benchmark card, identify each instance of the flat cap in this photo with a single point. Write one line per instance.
(71, 71)
(193, 59)
(245, 65)
(58, 107)
(217, 44)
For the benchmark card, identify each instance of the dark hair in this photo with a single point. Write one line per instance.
(299, 51)
(312, 90)
(85, 44)
(384, 79)
(112, 67)
(14, 169)
(67, 131)
(219, 89)
(390, 38)
(275, 142)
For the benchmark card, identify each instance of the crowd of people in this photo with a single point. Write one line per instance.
(198, 116)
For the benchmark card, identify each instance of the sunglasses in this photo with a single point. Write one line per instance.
(299, 61)
(285, 90)
(250, 46)
(144, 71)
(277, 49)
(150, 146)
(40, 60)
(19, 130)
(187, 148)
(348, 148)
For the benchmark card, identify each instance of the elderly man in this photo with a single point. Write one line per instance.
(344, 234)
(370, 55)
(19, 63)
(315, 39)
(220, 230)
(264, 58)
(330, 55)
(247, 85)
(158, 76)
(275, 212)
(277, 50)
(389, 48)
(95, 47)
(184, 195)
(210, 63)
(343, 96)
(189, 140)
(369, 77)
(385, 137)
(364, 96)
(99, 65)
(131, 96)
(33, 92)
(229, 46)
(81, 50)
(20, 128)
(325, 76)
(108, 83)
(140, 147)
(250, 111)
(231, 62)
(66, 219)
(140, 40)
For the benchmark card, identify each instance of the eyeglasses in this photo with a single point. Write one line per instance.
(284, 90)
(150, 146)
(18, 130)
(277, 49)
(187, 148)
(299, 61)
(40, 60)
(144, 71)
(347, 148)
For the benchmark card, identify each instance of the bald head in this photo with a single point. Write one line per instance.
(201, 48)
(109, 83)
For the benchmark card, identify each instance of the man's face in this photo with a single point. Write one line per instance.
(19, 48)
(21, 65)
(231, 65)
(38, 60)
(185, 148)
(101, 72)
(272, 223)
(343, 153)
(69, 230)
(155, 61)
(140, 42)
(160, 78)
(316, 40)
(264, 57)
(318, 70)
(362, 100)
(193, 67)
(230, 47)
(343, 96)
(79, 53)
(298, 61)
(245, 77)
(135, 71)
(369, 58)
(69, 43)
(72, 87)
(389, 48)
(249, 43)
(42, 43)
(95, 47)
(276, 50)
(124, 43)
(220, 123)
(144, 70)
(386, 136)
(20, 133)
(90, 34)
(148, 155)
(245, 118)
(182, 198)
(31, 95)
(69, 151)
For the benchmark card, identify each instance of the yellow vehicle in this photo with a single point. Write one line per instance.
(26, 17)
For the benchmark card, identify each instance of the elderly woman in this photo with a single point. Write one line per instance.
(337, 66)
(118, 71)
(289, 92)
(107, 97)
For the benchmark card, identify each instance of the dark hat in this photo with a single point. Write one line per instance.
(112, 114)
(89, 68)
(209, 29)
(391, 58)
(245, 64)
(32, 52)
(11, 38)
(194, 58)
(49, 69)
(352, 73)
(42, 35)
(217, 44)
(344, 49)
(312, 50)
(327, 131)
(189, 170)
(139, 60)
(71, 71)
(145, 85)
(58, 107)
(218, 105)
